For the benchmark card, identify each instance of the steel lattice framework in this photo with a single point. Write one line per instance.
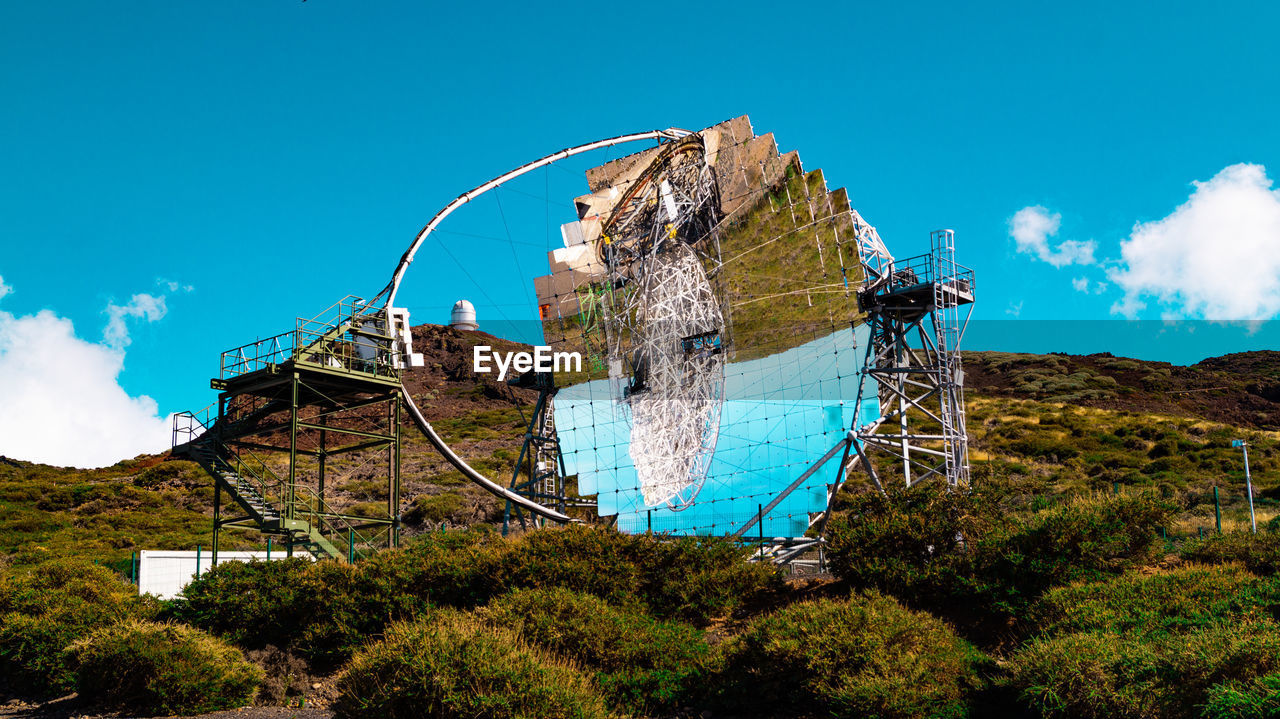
(664, 326)
(913, 359)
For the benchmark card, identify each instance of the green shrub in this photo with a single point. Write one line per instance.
(640, 663)
(345, 605)
(157, 669)
(164, 473)
(250, 603)
(1258, 698)
(48, 607)
(453, 665)
(1259, 553)
(916, 535)
(865, 656)
(690, 578)
(326, 610)
(1085, 539)
(1175, 601)
(944, 549)
(457, 569)
(1105, 674)
(434, 508)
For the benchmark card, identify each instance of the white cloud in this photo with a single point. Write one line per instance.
(61, 401)
(4, 289)
(1014, 309)
(1031, 228)
(148, 307)
(1088, 286)
(1217, 256)
(174, 285)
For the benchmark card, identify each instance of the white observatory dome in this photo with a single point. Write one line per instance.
(464, 316)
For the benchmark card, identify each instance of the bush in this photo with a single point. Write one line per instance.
(1085, 539)
(250, 603)
(1259, 553)
(1258, 698)
(640, 663)
(1105, 674)
(865, 656)
(327, 610)
(457, 569)
(1168, 602)
(690, 578)
(454, 665)
(345, 605)
(916, 535)
(49, 607)
(945, 549)
(162, 669)
(435, 508)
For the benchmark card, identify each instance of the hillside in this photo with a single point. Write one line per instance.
(1241, 389)
(1053, 423)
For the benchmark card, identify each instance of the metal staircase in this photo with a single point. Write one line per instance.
(271, 504)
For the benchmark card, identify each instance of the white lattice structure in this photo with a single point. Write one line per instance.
(665, 334)
(675, 417)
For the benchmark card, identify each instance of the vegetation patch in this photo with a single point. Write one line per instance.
(456, 665)
(1106, 674)
(863, 656)
(641, 664)
(1166, 602)
(946, 550)
(162, 669)
(1259, 553)
(45, 609)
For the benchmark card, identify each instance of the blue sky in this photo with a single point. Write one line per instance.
(252, 161)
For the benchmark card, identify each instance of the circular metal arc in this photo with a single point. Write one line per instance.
(392, 288)
(671, 133)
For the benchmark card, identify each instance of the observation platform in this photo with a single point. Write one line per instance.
(329, 387)
(920, 284)
(347, 344)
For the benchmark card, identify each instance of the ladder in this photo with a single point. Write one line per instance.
(947, 331)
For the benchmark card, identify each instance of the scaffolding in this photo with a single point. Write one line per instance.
(918, 309)
(291, 410)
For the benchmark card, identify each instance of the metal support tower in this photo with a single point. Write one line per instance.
(539, 470)
(914, 309)
(292, 409)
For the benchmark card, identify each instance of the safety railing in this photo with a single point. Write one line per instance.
(309, 507)
(257, 355)
(924, 270)
(350, 336)
(306, 504)
(187, 426)
(251, 468)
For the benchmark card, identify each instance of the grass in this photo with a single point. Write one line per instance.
(106, 514)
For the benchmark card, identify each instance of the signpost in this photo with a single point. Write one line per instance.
(1248, 482)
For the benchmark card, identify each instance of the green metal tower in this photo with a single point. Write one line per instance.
(295, 410)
